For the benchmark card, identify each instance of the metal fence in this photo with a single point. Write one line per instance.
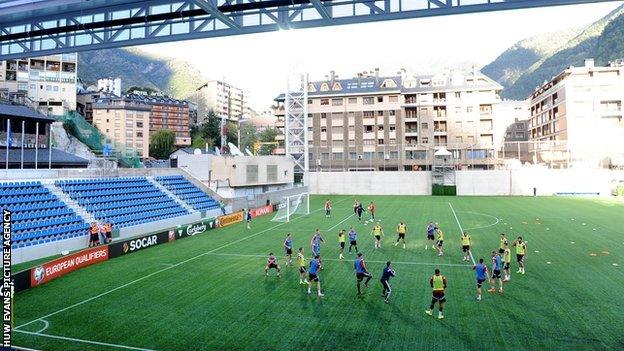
(415, 157)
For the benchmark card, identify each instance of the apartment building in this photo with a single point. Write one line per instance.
(47, 82)
(167, 113)
(581, 106)
(221, 98)
(397, 122)
(131, 119)
(124, 121)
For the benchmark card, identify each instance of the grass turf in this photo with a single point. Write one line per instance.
(209, 292)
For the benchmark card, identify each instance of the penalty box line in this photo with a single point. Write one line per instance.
(461, 231)
(82, 340)
(165, 269)
(338, 260)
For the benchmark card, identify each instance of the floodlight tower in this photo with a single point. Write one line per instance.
(296, 124)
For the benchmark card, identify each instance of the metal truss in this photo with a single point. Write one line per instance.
(37, 27)
(296, 121)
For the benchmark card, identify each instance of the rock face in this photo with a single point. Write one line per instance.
(69, 144)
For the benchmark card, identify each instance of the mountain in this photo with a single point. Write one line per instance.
(174, 77)
(530, 62)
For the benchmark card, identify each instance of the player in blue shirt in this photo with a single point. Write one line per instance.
(352, 240)
(387, 272)
(497, 265)
(248, 218)
(361, 272)
(288, 249)
(316, 241)
(315, 266)
(481, 275)
(430, 235)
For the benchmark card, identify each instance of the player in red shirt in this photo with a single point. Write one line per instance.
(272, 263)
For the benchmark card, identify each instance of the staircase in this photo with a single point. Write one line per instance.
(171, 195)
(86, 216)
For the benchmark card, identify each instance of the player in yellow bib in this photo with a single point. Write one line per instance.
(521, 251)
(502, 244)
(438, 285)
(506, 263)
(342, 239)
(440, 241)
(466, 242)
(301, 263)
(378, 233)
(401, 230)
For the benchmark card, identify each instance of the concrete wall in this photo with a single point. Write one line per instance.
(377, 183)
(518, 182)
(234, 169)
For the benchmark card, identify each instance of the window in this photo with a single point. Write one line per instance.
(380, 99)
(139, 124)
(380, 113)
(352, 100)
(323, 115)
(368, 128)
(459, 139)
(271, 173)
(252, 173)
(325, 156)
(352, 155)
(424, 125)
(369, 155)
(392, 113)
(368, 100)
(380, 141)
(324, 102)
(392, 128)
(425, 140)
(469, 109)
(310, 101)
(337, 86)
(368, 114)
(393, 98)
(324, 87)
(336, 102)
(139, 134)
(337, 156)
(457, 94)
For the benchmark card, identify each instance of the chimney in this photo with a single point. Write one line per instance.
(332, 74)
(376, 76)
(359, 79)
(589, 62)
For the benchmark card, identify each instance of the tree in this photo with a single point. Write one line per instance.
(248, 136)
(268, 134)
(162, 144)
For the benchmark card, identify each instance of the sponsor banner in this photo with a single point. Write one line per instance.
(195, 228)
(136, 244)
(61, 266)
(224, 221)
(255, 212)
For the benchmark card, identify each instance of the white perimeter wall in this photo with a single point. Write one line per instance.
(519, 182)
(377, 183)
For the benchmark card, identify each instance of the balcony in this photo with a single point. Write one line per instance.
(280, 124)
(280, 137)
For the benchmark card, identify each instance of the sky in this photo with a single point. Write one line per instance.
(260, 63)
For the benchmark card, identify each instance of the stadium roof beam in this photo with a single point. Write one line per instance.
(37, 28)
(210, 7)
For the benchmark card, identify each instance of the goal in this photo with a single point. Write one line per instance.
(290, 205)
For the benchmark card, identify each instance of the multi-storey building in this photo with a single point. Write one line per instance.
(131, 119)
(49, 82)
(167, 113)
(223, 99)
(124, 121)
(397, 122)
(579, 113)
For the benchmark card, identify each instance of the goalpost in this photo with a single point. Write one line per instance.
(290, 205)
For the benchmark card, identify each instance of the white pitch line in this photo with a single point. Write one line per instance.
(461, 231)
(164, 269)
(338, 260)
(339, 223)
(482, 214)
(45, 326)
(83, 341)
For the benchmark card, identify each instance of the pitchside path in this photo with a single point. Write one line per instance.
(209, 291)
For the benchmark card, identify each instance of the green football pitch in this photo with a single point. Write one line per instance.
(209, 291)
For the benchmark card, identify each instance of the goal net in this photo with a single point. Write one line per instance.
(291, 205)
